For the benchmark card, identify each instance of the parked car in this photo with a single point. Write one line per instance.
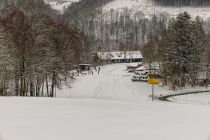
(144, 79)
(135, 78)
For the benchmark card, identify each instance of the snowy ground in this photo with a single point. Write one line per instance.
(65, 119)
(148, 8)
(203, 98)
(127, 113)
(113, 83)
(60, 5)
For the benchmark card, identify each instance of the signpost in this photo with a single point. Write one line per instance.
(153, 82)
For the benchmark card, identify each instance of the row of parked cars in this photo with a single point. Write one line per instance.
(143, 76)
(142, 72)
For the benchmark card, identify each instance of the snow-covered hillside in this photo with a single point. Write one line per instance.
(60, 5)
(148, 8)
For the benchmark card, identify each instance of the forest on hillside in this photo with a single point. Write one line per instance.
(29, 7)
(155, 36)
(120, 30)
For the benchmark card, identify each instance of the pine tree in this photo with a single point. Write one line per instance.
(198, 46)
(181, 48)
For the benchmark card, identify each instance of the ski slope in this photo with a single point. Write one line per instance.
(87, 119)
(149, 8)
(107, 106)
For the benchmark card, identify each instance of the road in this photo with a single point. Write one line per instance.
(113, 83)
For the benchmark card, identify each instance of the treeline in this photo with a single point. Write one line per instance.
(30, 7)
(183, 2)
(182, 52)
(81, 10)
(118, 30)
(36, 52)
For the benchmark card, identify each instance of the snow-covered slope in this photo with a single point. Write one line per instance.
(65, 119)
(60, 5)
(71, 119)
(127, 113)
(148, 8)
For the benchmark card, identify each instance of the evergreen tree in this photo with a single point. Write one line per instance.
(183, 51)
(198, 46)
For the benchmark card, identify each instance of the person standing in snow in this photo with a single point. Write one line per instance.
(99, 70)
(95, 69)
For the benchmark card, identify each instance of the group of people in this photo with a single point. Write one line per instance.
(96, 70)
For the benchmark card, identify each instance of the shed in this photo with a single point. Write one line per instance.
(84, 67)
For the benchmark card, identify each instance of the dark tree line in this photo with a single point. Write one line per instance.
(81, 10)
(37, 52)
(30, 7)
(117, 30)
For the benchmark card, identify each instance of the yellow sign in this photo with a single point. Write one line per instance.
(153, 81)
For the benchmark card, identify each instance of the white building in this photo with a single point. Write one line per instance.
(119, 57)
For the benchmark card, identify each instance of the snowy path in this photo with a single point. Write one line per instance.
(113, 83)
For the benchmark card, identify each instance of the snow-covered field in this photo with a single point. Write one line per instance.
(126, 113)
(86, 119)
(60, 5)
(202, 98)
(148, 8)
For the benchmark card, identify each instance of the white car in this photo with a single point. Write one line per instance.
(144, 76)
(136, 78)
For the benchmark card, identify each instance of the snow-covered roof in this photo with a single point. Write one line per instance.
(84, 64)
(119, 55)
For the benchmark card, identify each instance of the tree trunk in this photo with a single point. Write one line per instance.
(16, 85)
(47, 87)
(31, 87)
(53, 84)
